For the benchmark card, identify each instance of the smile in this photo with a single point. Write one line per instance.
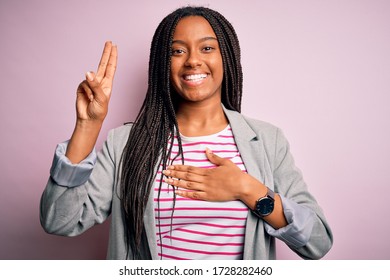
(194, 77)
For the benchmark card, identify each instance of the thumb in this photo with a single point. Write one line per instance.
(90, 76)
(95, 86)
(213, 158)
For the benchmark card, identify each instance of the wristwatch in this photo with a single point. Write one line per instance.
(265, 205)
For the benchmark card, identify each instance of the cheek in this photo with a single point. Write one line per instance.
(174, 73)
(218, 67)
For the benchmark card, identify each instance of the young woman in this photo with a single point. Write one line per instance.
(191, 178)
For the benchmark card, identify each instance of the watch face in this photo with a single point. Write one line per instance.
(265, 206)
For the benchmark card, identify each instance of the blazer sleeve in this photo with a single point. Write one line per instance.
(71, 204)
(306, 218)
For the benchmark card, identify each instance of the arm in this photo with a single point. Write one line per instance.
(72, 204)
(306, 218)
(73, 201)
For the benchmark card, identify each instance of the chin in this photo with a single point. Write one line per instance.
(195, 98)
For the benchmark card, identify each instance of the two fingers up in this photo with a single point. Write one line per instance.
(93, 94)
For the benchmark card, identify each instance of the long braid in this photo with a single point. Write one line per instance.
(151, 137)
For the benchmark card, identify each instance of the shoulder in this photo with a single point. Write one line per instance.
(121, 132)
(261, 127)
(268, 136)
(262, 134)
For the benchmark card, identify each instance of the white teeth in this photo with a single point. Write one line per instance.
(195, 77)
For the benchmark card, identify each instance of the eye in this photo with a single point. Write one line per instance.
(208, 49)
(177, 52)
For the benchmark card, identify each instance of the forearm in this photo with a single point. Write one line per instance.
(83, 140)
(77, 196)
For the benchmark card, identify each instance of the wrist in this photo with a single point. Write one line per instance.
(88, 124)
(251, 190)
(83, 140)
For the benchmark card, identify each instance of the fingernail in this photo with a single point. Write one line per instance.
(166, 172)
(208, 151)
(89, 76)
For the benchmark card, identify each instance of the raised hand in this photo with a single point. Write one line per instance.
(93, 94)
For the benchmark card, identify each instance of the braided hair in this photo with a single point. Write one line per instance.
(151, 137)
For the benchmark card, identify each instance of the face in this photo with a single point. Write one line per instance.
(196, 63)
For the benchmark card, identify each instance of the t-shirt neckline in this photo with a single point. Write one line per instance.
(203, 137)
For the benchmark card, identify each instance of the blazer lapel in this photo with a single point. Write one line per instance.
(248, 144)
(253, 157)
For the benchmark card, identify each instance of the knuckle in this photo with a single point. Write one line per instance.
(190, 169)
(208, 171)
(187, 176)
(84, 84)
(195, 195)
(84, 87)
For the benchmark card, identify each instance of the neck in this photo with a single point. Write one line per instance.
(196, 119)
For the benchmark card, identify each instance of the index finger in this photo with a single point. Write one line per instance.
(104, 60)
(188, 168)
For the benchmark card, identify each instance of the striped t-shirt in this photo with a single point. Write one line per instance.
(200, 229)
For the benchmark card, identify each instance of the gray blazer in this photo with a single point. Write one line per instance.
(79, 196)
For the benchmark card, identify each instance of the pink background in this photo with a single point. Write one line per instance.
(320, 70)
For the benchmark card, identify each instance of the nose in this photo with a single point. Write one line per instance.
(193, 60)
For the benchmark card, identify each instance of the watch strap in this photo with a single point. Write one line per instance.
(270, 193)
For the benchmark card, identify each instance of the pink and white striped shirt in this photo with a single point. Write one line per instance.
(200, 229)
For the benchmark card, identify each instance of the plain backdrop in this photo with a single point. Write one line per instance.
(320, 70)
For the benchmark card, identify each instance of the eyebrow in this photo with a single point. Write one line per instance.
(200, 40)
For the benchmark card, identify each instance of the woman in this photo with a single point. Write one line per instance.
(191, 178)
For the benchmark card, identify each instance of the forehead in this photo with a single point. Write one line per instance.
(193, 27)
